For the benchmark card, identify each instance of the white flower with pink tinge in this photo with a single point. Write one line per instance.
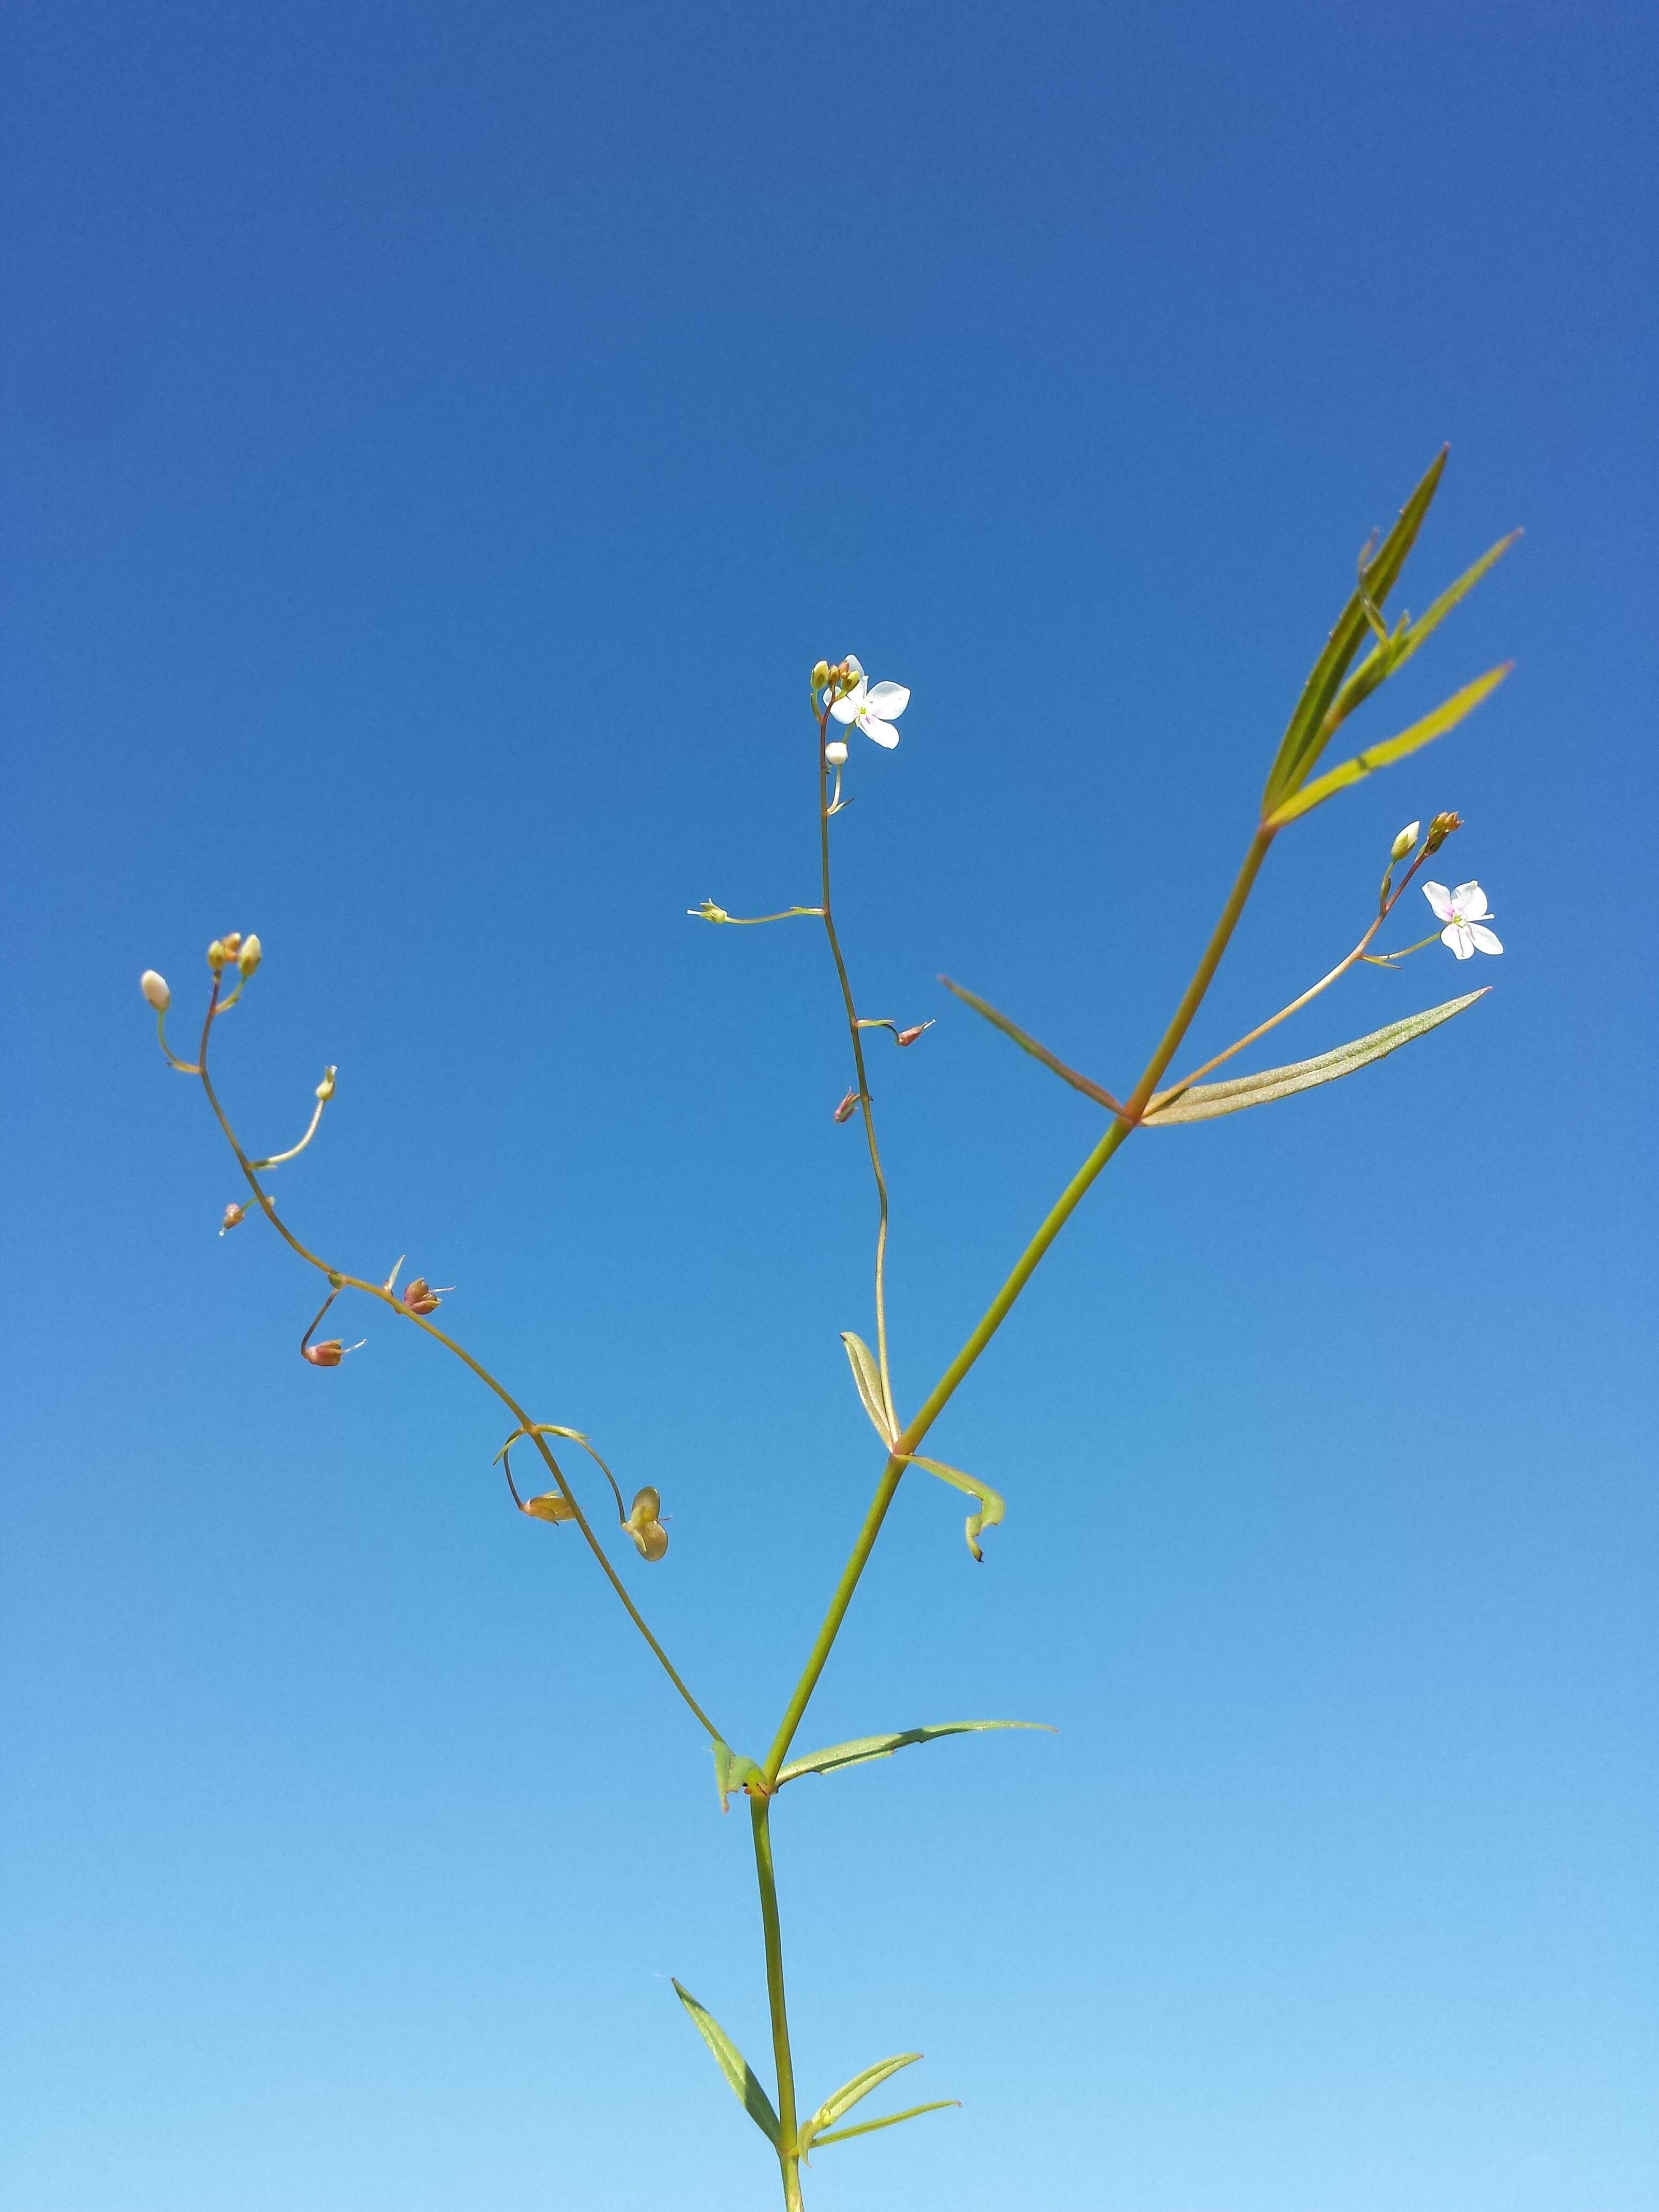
(874, 706)
(1465, 912)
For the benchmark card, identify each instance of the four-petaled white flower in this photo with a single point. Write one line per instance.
(874, 706)
(1464, 912)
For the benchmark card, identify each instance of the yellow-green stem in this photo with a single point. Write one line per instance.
(1000, 1307)
(760, 1815)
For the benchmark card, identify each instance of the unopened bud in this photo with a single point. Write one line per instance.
(155, 991)
(325, 1088)
(847, 1107)
(909, 1036)
(820, 674)
(234, 1215)
(420, 1296)
(835, 751)
(330, 1353)
(252, 954)
(709, 912)
(1440, 829)
(217, 956)
(1403, 843)
(232, 941)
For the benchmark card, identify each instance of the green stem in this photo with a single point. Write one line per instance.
(855, 1031)
(760, 1815)
(378, 1290)
(997, 1312)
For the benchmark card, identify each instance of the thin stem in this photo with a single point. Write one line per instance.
(760, 1816)
(855, 1032)
(294, 1151)
(1309, 995)
(339, 1280)
(997, 1312)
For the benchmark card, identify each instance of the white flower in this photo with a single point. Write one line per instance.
(1464, 912)
(874, 707)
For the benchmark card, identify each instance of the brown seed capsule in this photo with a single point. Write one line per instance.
(235, 1215)
(420, 1296)
(909, 1036)
(847, 1107)
(329, 1354)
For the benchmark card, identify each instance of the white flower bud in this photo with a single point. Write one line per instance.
(252, 954)
(835, 751)
(1403, 843)
(325, 1088)
(154, 988)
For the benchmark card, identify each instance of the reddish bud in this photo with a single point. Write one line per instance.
(1440, 829)
(909, 1036)
(330, 1353)
(420, 1296)
(234, 1215)
(847, 1107)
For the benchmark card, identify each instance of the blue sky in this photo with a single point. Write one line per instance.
(438, 441)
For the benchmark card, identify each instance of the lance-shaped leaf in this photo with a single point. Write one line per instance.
(1026, 1044)
(1305, 734)
(868, 1376)
(869, 2127)
(991, 1507)
(864, 1747)
(1444, 717)
(736, 2068)
(1204, 1101)
(849, 2093)
(732, 1773)
(1383, 660)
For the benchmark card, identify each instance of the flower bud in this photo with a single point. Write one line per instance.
(234, 1215)
(820, 674)
(847, 1107)
(1440, 829)
(709, 912)
(645, 1526)
(155, 991)
(419, 1297)
(836, 752)
(330, 1353)
(232, 941)
(252, 954)
(325, 1088)
(909, 1036)
(1403, 843)
(217, 956)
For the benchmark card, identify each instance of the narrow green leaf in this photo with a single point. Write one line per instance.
(1090, 1090)
(991, 1506)
(1304, 735)
(1204, 1101)
(1382, 662)
(869, 2127)
(850, 2092)
(867, 1375)
(732, 1773)
(863, 1747)
(1445, 717)
(735, 2067)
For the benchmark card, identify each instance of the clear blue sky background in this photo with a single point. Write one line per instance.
(438, 441)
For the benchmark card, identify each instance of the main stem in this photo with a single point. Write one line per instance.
(760, 1814)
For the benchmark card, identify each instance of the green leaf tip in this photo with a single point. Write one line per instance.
(1203, 1102)
(992, 1507)
(864, 1747)
(744, 2082)
(1446, 716)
